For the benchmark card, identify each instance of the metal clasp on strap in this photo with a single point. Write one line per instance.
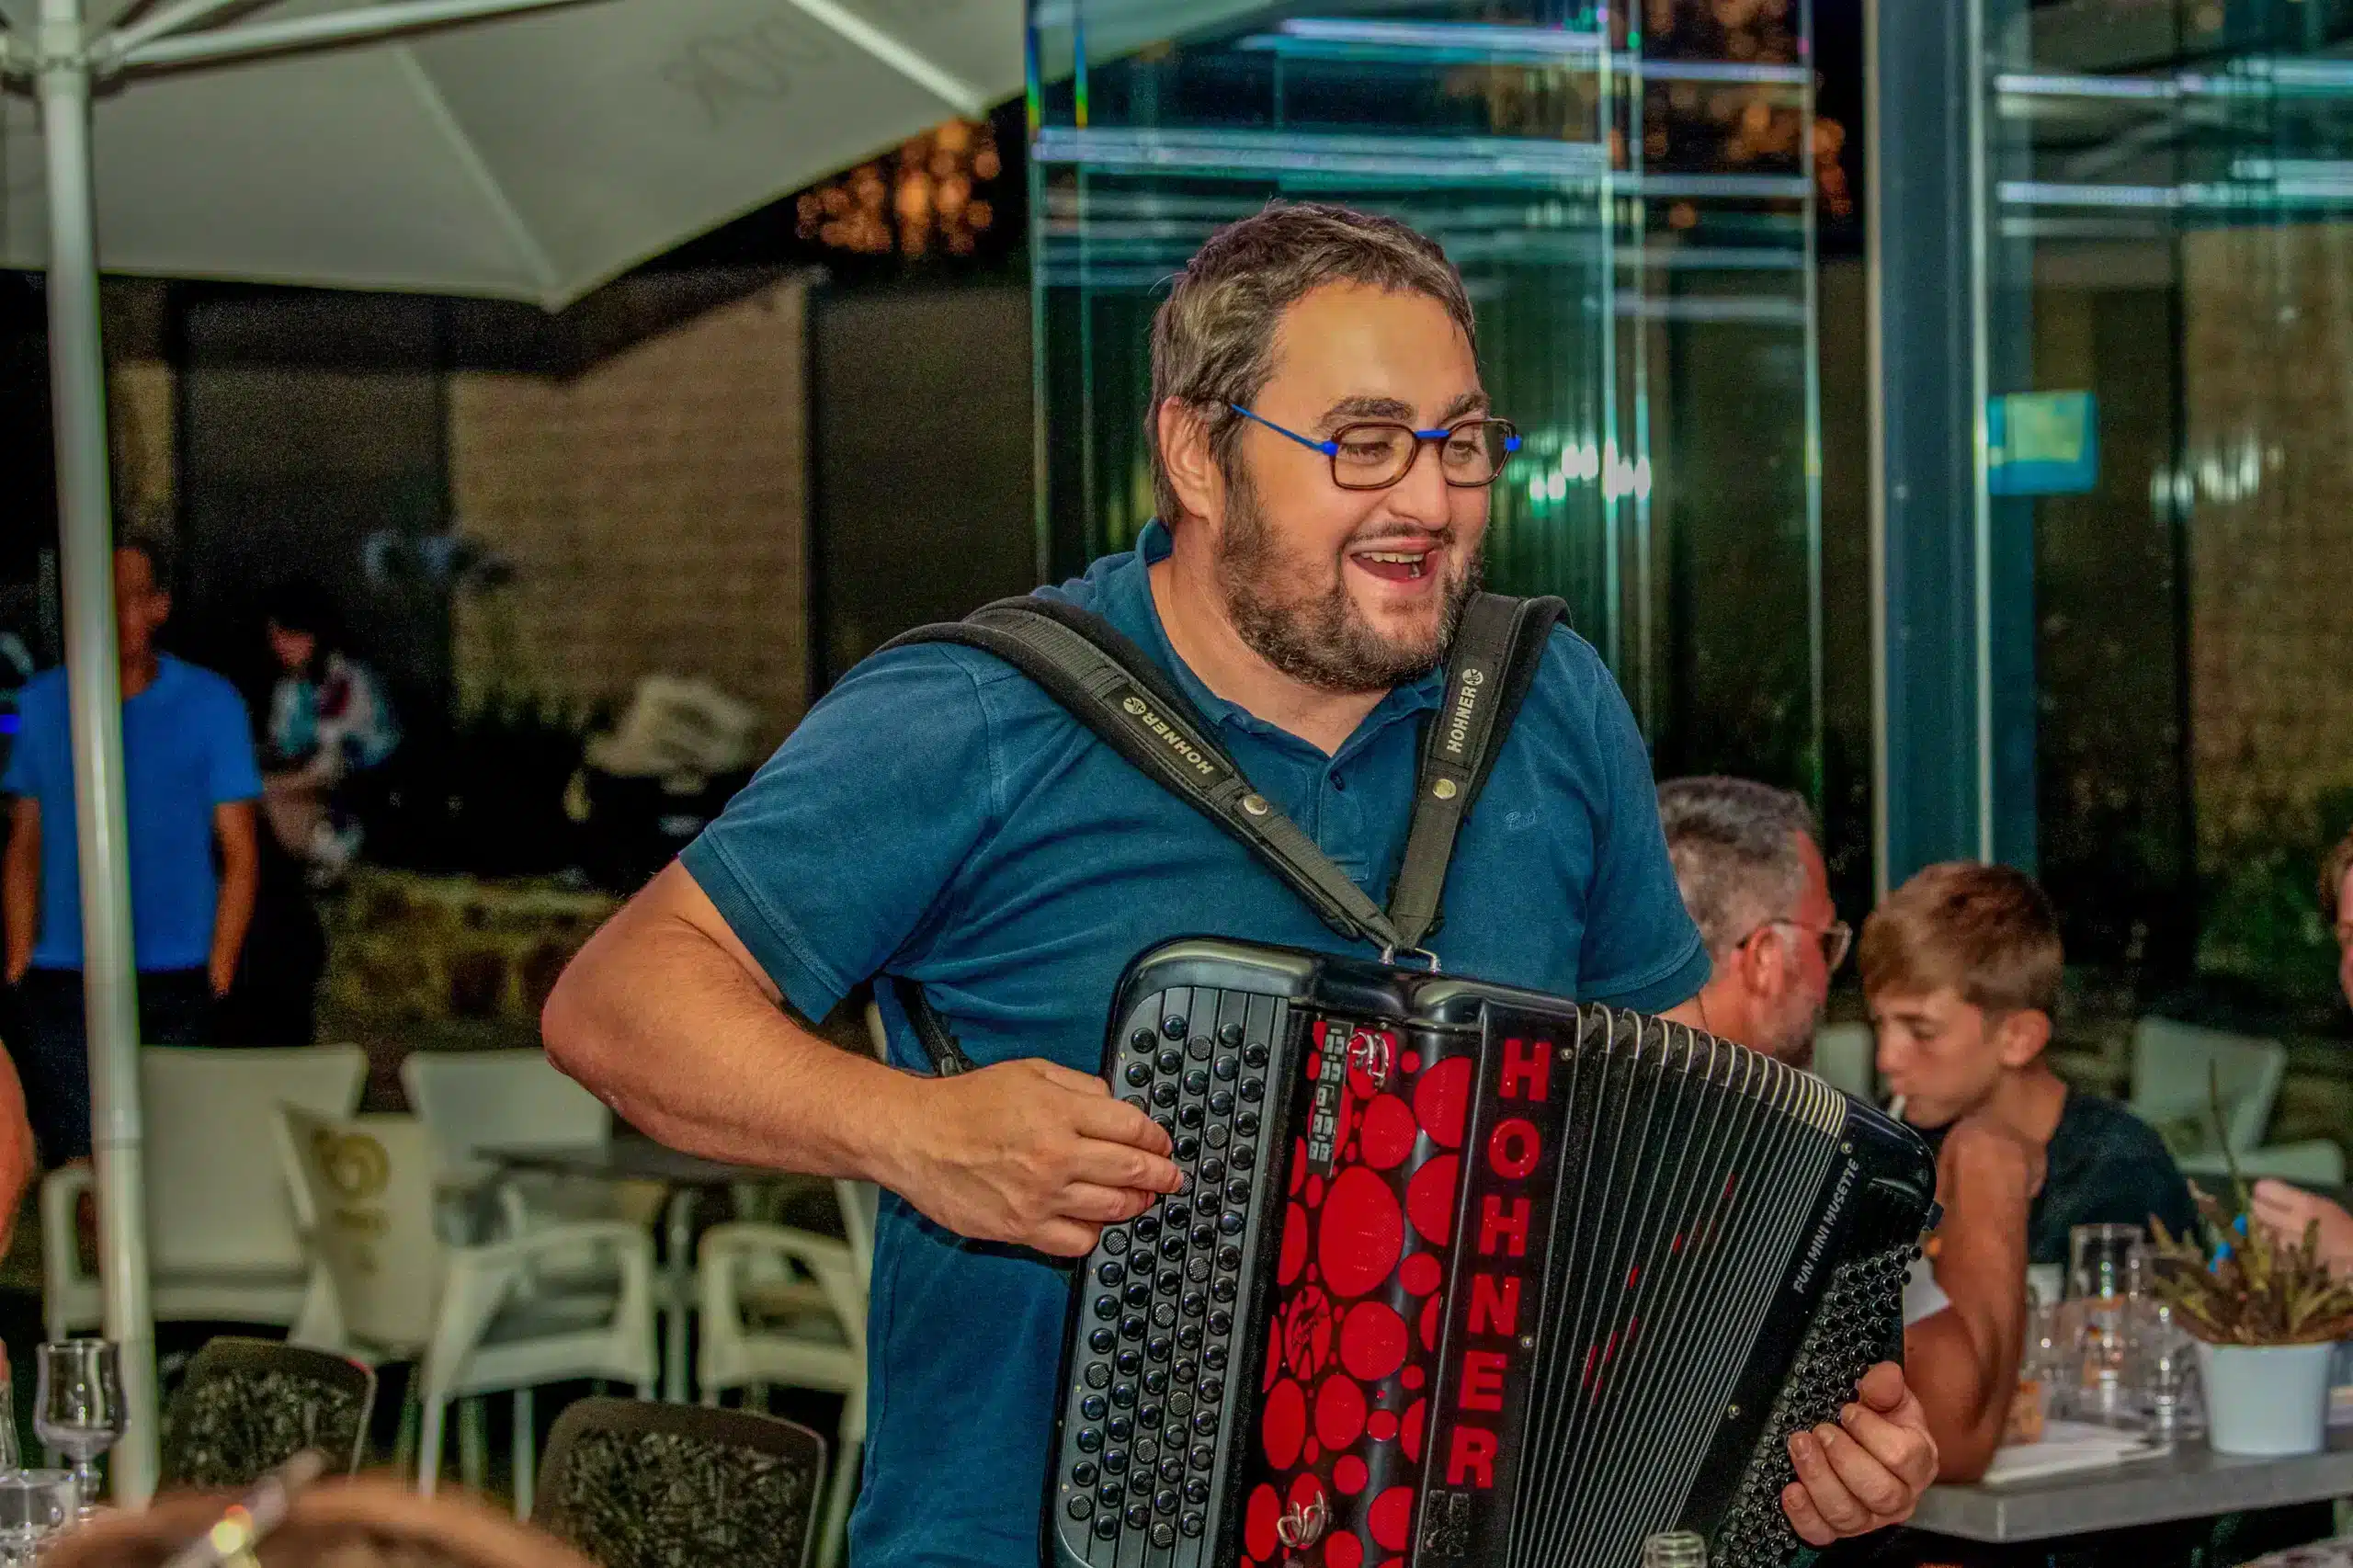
(1301, 1527)
(1370, 1053)
(1392, 955)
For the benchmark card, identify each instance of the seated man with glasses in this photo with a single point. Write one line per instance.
(1961, 968)
(1321, 451)
(1750, 863)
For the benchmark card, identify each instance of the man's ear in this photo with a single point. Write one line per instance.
(1191, 467)
(2020, 1038)
(1765, 962)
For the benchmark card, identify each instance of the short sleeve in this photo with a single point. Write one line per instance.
(235, 774)
(1642, 949)
(24, 772)
(850, 838)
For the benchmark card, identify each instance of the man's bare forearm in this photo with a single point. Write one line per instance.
(20, 889)
(1964, 1360)
(672, 1032)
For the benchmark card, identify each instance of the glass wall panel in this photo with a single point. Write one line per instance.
(2170, 229)
(1631, 197)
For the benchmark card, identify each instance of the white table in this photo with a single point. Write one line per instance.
(2191, 1483)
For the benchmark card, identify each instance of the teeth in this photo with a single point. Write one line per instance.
(1396, 557)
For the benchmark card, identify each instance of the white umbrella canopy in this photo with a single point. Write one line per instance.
(532, 160)
(520, 149)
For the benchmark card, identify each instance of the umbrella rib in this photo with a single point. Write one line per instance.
(116, 42)
(470, 157)
(364, 23)
(945, 86)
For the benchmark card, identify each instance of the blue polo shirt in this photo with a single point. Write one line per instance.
(187, 748)
(938, 817)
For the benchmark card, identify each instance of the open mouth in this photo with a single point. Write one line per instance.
(1397, 565)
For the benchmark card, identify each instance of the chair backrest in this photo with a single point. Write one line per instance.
(472, 1100)
(371, 1184)
(2170, 1086)
(216, 1198)
(1844, 1058)
(636, 1484)
(246, 1406)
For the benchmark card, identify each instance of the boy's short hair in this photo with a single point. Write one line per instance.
(1986, 931)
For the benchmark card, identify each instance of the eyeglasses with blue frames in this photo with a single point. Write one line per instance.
(1375, 454)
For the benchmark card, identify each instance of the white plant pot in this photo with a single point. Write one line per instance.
(2270, 1399)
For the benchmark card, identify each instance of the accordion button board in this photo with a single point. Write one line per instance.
(1463, 1276)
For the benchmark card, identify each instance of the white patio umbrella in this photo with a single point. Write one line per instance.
(404, 144)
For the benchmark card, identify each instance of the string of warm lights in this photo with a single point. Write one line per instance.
(930, 195)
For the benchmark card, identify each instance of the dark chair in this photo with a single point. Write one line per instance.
(246, 1406)
(635, 1484)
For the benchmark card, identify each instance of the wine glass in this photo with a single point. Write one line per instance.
(78, 1408)
(34, 1506)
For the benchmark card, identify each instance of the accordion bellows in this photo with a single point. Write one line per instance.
(1463, 1274)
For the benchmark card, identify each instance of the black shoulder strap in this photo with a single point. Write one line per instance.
(1497, 648)
(1110, 686)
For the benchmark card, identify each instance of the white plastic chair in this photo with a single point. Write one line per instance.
(2172, 1089)
(1845, 1057)
(2313, 1161)
(224, 1240)
(463, 1312)
(787, 1308)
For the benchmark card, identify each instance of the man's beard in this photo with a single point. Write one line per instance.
(1795, 1046)
(1321, 640)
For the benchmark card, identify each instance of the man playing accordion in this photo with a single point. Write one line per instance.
(1322, 454)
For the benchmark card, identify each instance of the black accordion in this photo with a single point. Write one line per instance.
(1463, 1274)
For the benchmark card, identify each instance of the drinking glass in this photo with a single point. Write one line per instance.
(34, 1506)
(2101, 1279)
(2161, 1357)
(78, 1407)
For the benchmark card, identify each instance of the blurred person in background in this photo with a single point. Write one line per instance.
(2288, 1209)
(1748, 861)
(1961, 969)
(328, 723)
(372, 1522)
(189, 783)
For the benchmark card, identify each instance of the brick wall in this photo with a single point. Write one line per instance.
(652, 507)
(2267, 377)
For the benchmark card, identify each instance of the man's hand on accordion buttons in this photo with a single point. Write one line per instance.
(1868, 1471)
(1031, 1153)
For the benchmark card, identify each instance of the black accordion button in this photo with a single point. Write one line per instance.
(1238, 1191)
(1109, 1493)
(1187, 1148)
(1254, 1089)
(1190, 1522)
(1101, 1341)
(1187, 1115)
(1229, 1036)
(1194, 1305)
(1171, 1281)
(1184, 1370)
(1203, 1458)
(1106, 1526)
(1222, 1292)
(1227, 1068)
(1197, 1491)
(1162, 1536)
(1107, 1307)
(1089, 1440)
(1172, 1469)
(1230, 1223)
(1139, 1073)
(1160, 1348)
(1164, 1500)
(1189, 1337)
(1120, 1428)
(1197, 1082)
(1205, 1421)
(1132, 1326)
(1198, 1048)
(1173, 1027)
(1115, 1242)
(1220, 1324)
(1131, 1361)
(1221, 1104)
(1212, 1388)
(1255, 1054)
(1177, 1210)
(1172, 1245)
(1123, 1396)
(1143, 1040)
(1228, 1257)
(1093, 1408)
(1164, 1095)
(1212, 1171)
(1246, 1124)
(1081, 1473)
(1110, 1273)
(1214, 1360)
(1217, 1135)
(1169, 1059)
(1149, 1416)
(1139, 1515)
(1156, 1381)
(1243, 1155)
(1097, 1375)
(1139, 1294)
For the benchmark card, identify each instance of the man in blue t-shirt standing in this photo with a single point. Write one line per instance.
(939, 818)
(191, 782)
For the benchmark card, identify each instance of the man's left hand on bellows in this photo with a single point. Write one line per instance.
(1868, 1471)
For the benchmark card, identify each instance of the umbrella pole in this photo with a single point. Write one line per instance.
(85, 542)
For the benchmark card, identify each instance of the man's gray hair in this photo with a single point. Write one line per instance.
(1213, 338)
(1734, 842)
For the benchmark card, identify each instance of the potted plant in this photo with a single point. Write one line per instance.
(2266, 1315)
